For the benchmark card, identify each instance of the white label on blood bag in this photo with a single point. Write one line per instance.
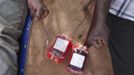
(61, 44)
(77, 60)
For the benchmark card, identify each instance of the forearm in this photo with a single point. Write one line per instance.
(101, 11)
(98, 27)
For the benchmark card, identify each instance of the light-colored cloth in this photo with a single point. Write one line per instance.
(12, 15)
(123, 9)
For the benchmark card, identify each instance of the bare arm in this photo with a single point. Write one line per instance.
(101, 11)
(98, 32)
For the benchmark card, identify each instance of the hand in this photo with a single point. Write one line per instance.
(38, 9)
(98, 36)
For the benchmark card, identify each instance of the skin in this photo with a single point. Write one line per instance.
(38, 9)
(98, 33)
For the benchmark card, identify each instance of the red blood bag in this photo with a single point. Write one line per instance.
(78, 58)
(60, 48)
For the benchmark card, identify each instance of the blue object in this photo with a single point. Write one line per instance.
(24, 44)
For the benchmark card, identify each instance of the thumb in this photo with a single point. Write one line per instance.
(44, 12)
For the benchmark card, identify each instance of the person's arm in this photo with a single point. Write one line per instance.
(98, 33)
(101, 11)
(38, 9)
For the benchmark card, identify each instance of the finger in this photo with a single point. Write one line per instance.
(44, 12)
(32, 10)
(104, 41)
(99, 42)
(37, 14)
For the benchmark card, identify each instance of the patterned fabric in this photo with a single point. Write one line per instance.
(12, 15)
(123, 9)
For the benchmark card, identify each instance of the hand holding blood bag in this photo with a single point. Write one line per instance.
(60, 48)
(78, 58)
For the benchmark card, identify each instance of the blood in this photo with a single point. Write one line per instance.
(58, 52)
(80, 52)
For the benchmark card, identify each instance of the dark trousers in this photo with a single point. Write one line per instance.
(121, 44)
